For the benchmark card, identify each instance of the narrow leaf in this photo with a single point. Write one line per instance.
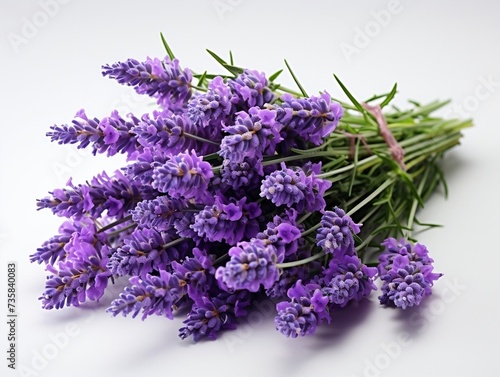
(167, 47)
(355, 163)
(202, 78)
(406, 178)
(350, 96)
(275, 75)
(234, 69)
(428, 225)
(304, 93)
(217, 57)
(390, 96)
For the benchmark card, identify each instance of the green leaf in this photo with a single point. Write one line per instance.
(350, 96)
(231, 68)
(217, 57)
(234, 69)
(202, 78)
(231, 61)
(167, 47)
(304, 93)
(428, 225)
(355, 163)
(407, 179)
(390, 96)
(275, 75)
(376, 97)
(208, 76)
(442, 179)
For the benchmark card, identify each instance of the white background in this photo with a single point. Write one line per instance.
(50, 68)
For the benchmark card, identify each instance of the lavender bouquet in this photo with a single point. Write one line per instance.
(239, 189)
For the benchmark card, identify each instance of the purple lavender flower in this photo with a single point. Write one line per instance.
(151, 294)
(82, 275)
(283, 233)
(288, 277)
(197, 271)
(297, 187)
(213, 108)
(301, 315)
(228, 219)
(159, 213)
(183, 176)
(142, 169)
(74, 282)
(207, 317)
(347, 279)
(74, 239)
(285, 186)
(239, 301)
(316, 187)
(309, 119)
(162, 79)
(252, 263)
(145, 251)
(393, 248)
(406, 272)
(251, 89)
(215, 312)
(171, 134)
(52, 250)
(335, 234)
(253, 134)
(112, 134)
(242, 175)
(68, 202)
(183, 225)
(116, 195)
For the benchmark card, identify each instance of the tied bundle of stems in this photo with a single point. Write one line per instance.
(239, 189)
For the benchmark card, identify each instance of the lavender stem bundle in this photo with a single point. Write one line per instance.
(239, 189)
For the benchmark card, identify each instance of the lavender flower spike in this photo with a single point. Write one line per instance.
(162, 79)
(111, 134)
(406, 271)
(297, 187)
(213, 108)
(301, 315)
(252, 264)
(207, 317)
(347, 279)
(229, 220)
(310, 119)
(253, 134)
(251, 89)
(153, 295)
(84, 276)
(336, 233)
(183, 176)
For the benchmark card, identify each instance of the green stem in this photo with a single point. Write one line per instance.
(304, 217)
(202, 139)
(373, 195)
(361, 163)
(115, 223)
(220, 259)
(173, 243)
(301, 261)
(414, 206)
(273, 160)
(118, 231)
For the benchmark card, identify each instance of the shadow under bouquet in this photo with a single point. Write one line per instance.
(238, 189)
